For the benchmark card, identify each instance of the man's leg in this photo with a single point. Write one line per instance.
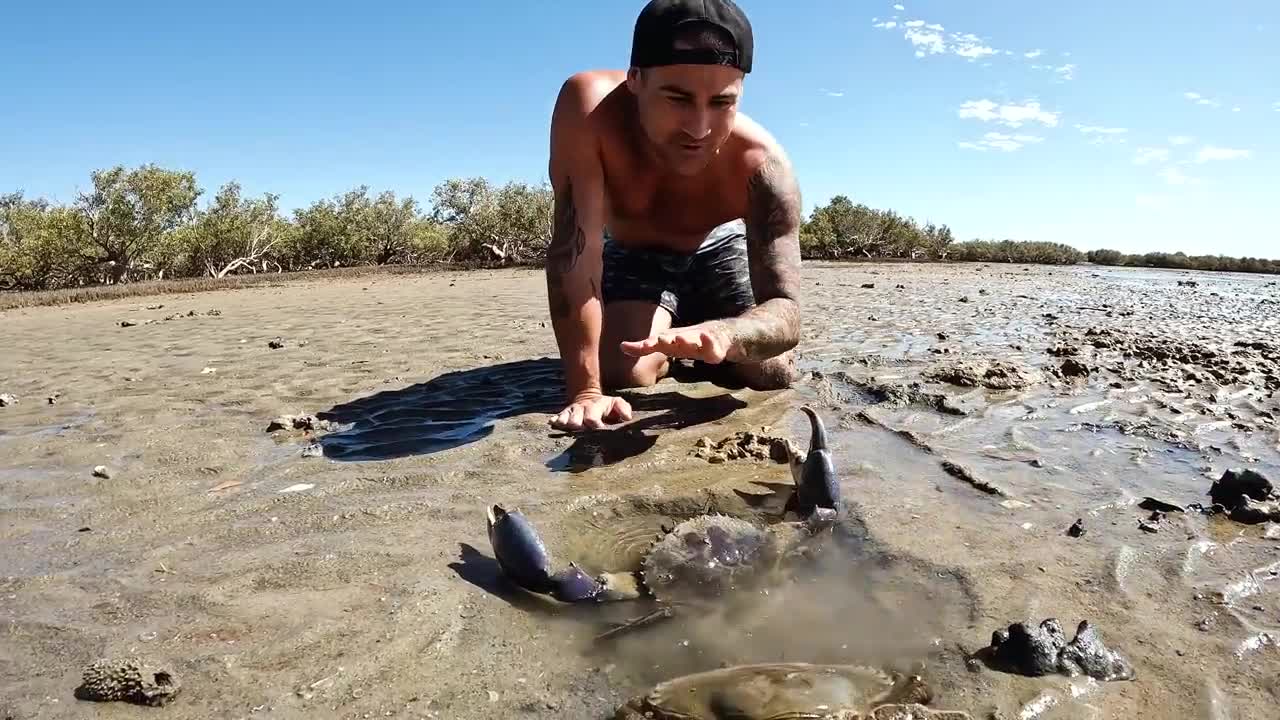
(631, 320)
(638, 301)
(719, 286)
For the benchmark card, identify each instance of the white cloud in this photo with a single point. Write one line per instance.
(899, 8)
(1235, 109)
(1275, 106)
(1064, 72)
(968, 45)
(833, 93)
(1210, 152)
(1001, 141)
(1199, 99)
(1147, 155)
(928, 38)
(1180, 139)
(1034, 53)
(1103, 135)
(1008, 115)
(928, 42)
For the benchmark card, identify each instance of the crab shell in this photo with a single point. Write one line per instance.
(787, 691)
(708, 555)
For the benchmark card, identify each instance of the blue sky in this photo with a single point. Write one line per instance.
(1137, 125)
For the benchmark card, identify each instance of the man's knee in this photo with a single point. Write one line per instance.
(776, 373)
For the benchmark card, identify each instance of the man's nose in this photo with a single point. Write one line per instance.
(697, 123)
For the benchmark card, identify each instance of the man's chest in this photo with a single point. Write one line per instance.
(644, 208)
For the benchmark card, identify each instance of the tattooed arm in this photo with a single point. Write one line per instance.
(773, 250)
(574, 255)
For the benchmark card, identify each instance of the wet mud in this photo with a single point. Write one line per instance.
(297, 528)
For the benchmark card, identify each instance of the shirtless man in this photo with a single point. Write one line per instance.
(677, 218)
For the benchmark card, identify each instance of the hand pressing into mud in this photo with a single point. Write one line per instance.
(592, 411)
(708, 342)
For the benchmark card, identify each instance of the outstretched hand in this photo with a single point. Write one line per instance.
(592, 411)
(708, 342)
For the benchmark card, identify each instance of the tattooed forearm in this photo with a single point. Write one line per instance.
(773, 250)
(566, 246)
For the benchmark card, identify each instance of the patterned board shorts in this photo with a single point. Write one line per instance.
(710, 283)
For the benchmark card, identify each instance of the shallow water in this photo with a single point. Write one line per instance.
(362, 582)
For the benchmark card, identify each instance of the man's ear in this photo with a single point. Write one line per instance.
(635, 78)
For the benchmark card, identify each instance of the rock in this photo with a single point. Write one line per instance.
(1044, 650)
(6, 400)
(1074, 368)
(868, 286)
(1150, 503)
(131, 680)
(102, 472)
(1236, 484)
(1077, 528)
(1247, 496)
(276, 344)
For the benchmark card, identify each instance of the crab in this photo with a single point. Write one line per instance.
(697, 560)
(788, 691)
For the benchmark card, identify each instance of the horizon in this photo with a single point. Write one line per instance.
(1026, 123)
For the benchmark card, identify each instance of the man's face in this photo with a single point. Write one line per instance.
(686, 111)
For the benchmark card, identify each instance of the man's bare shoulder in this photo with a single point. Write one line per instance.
(582, 93)
(755, 147)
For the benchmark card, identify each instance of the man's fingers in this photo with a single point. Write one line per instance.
(620, 411)
(592, 416)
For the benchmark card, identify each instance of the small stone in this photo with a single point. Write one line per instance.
(868, 286)
(1077, 528)
(102, 472)
(276, 344)
(6, 400)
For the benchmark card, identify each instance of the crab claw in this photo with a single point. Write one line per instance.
(524, 559)
(816, 483)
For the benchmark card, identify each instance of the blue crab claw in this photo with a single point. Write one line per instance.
(816, 483)
(524, 559)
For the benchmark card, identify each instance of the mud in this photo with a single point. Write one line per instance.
(342, 568)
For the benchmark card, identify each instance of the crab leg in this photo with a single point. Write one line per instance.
(662, 613)
(524, 559)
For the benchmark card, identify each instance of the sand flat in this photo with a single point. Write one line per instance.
(361, 582)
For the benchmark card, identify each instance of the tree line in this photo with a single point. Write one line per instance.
(148, 222)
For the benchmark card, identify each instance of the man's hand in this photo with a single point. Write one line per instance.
(709, 342)
(592, 411)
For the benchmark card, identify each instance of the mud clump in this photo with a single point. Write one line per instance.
(306, 423)
(130, 680)
(1044, 650)
(744, 445)
(1247, 495)
(993, 375)
(1073, 368)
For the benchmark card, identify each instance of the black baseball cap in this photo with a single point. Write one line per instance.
(662, 21)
